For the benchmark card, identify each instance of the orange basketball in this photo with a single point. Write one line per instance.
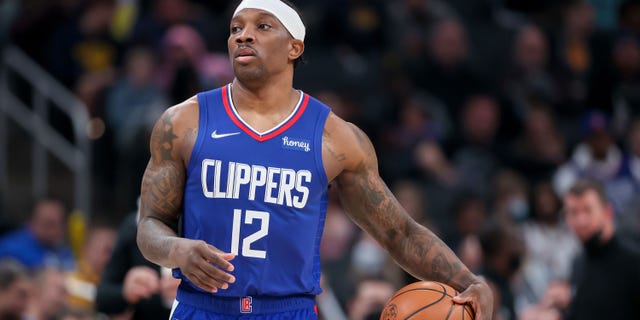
(425, 300)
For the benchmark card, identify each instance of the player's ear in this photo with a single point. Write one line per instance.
(296, 49)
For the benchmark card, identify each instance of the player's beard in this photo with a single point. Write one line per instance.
(249, 74)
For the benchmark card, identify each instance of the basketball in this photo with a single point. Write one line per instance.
(425, 300)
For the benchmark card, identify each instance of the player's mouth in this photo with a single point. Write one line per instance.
(244, 54)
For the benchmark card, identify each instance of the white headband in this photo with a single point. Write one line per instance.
(287, 16)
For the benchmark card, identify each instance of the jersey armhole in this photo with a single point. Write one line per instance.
(320, 123)
(202, 126)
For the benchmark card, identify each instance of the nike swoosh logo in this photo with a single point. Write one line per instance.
(217, 135)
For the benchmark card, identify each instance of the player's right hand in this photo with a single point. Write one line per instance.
(203, 264)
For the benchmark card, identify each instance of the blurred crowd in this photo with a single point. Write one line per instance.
(483, 113)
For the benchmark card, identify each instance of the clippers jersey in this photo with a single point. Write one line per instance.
(262, 196)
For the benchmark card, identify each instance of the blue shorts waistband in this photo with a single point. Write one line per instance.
(244, 305)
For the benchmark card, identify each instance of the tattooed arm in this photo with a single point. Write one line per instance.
(350, 158)
(161, 198)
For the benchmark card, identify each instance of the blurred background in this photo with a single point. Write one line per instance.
(482, 112)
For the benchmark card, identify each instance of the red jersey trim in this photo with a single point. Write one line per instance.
(282, 128)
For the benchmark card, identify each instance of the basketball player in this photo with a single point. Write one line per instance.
(247, 168)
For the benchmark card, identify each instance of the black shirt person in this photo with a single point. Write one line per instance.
(605, 282)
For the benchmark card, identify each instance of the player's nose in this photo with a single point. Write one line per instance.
(245, 36)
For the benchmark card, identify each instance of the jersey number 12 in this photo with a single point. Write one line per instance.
(249, 216)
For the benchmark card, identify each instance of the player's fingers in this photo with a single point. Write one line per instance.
(462, 298)
(210, 265)
(214, 272)
(206, 282)
(197, 278)
(467, 298)
(219, 260)
(224, 255)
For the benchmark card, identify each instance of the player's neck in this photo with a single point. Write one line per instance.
(272, 96)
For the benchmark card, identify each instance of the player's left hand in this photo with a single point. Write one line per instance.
(480, 297)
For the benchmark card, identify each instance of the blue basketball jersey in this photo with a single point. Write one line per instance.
(261, 196)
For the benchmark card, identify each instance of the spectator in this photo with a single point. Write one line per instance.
(502, 251)
(615, 88)
(510, 197)
(131, 286)
(358, 24)
(15, 289)
(624, 190)
(476, 153)
(186, 66)
(41, 242)
(540, 149)
(469, 215)
(85, 46)
(50, 297)
(369, 300)
(409, 22)
(132, 105)
(596, 156)
(605, 280)
(528, 76)
(445, 72)
(421, 118)
(550, 247)
(574, 53)
(82, 283)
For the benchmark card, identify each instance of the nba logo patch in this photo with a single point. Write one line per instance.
(245, 305)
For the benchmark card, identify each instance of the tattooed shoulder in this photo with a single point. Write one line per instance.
(328, 144)
(176, 129)
(163, 136)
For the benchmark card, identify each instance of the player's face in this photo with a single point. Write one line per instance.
(585, 214)
(259, 45)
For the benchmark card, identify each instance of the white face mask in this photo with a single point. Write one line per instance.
(368, 258)
(519, 209)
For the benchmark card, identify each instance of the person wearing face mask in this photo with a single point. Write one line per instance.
(605, 282)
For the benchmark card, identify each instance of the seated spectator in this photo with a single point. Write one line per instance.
(550, 246)
(131, 285)
(540, 148)
(595, 157)
(502, 250)
(624, 189)
(187, 67)
(15, 288)
(369, 300)
(469, 215)
(41, 242)
(132, 106)
(50, 296)
(527, 74)
(82, 283)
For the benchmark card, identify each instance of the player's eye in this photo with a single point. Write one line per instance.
(264, 26)
(235, 29)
